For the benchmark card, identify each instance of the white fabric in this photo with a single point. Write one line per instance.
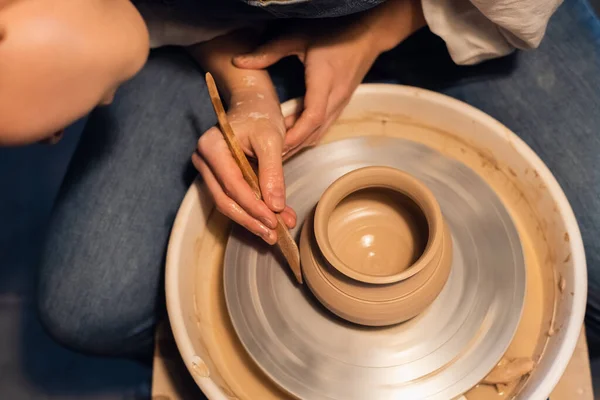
(477, 30)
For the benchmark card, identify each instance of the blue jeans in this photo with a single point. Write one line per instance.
(101, 276)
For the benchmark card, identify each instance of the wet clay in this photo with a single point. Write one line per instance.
(381, 251)
(398, 196)
(367, 304)
(378, 231)
(508, 371)
(231, 367)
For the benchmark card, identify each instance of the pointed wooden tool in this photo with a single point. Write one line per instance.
(285, 241)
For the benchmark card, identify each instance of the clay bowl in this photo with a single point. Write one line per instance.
(376, 251)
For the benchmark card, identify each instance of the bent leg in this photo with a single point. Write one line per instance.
(101, 275)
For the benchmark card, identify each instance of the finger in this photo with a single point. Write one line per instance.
(290, 120)
(230, 208)
(267, 147)
(313, 138)
(297, 150)
(214, 151)
(318, 90)
(335, 107)
(316, 138)
(271, 52)
(289, 217)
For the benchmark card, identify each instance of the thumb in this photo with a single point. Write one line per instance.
(271, 52)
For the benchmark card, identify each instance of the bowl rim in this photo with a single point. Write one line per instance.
(573, 321)
(385, 178)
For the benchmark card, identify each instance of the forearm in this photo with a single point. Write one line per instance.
(394, 21)
(216, 56)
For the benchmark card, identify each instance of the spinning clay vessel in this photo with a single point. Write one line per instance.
(376, 251)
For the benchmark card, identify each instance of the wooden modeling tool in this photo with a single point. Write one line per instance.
(285, 241)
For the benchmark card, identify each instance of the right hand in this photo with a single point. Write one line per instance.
(256, 119)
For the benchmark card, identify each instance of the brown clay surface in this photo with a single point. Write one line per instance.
(378, 231)
(381, 252)
(367, 304)
(418, 201)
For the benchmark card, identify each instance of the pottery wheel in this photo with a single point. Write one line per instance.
(440, 354)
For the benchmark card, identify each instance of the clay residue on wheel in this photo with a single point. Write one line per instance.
(509, 370)
(244, 378)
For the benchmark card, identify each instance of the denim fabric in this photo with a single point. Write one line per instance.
(313, 8)
(189, 10)
(100, 284)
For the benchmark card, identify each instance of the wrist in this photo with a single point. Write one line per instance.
(257, 94)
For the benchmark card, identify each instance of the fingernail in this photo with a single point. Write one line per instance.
(268, 236)
(278, 201)
(271, 223)
(264, 232)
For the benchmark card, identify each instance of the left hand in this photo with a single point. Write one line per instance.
(255, 117)
(334, 66)
(335, 63)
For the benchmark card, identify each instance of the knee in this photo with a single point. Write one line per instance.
(95, 325)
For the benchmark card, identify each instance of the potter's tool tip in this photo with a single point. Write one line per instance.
(295, 266)
(289, 249)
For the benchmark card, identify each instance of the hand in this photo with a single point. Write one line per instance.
(335, 63)
(256, 119)
(334, 67)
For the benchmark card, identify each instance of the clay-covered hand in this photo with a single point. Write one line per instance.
(336, 54)
(255, 117)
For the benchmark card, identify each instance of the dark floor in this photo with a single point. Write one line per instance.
(32, 366)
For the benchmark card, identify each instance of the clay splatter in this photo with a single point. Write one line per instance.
(567, 237)
(501, 388)
(257, 115)
(562, 284)
(508, 371)
(249, 80)
(199, 367)
(260, 95)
